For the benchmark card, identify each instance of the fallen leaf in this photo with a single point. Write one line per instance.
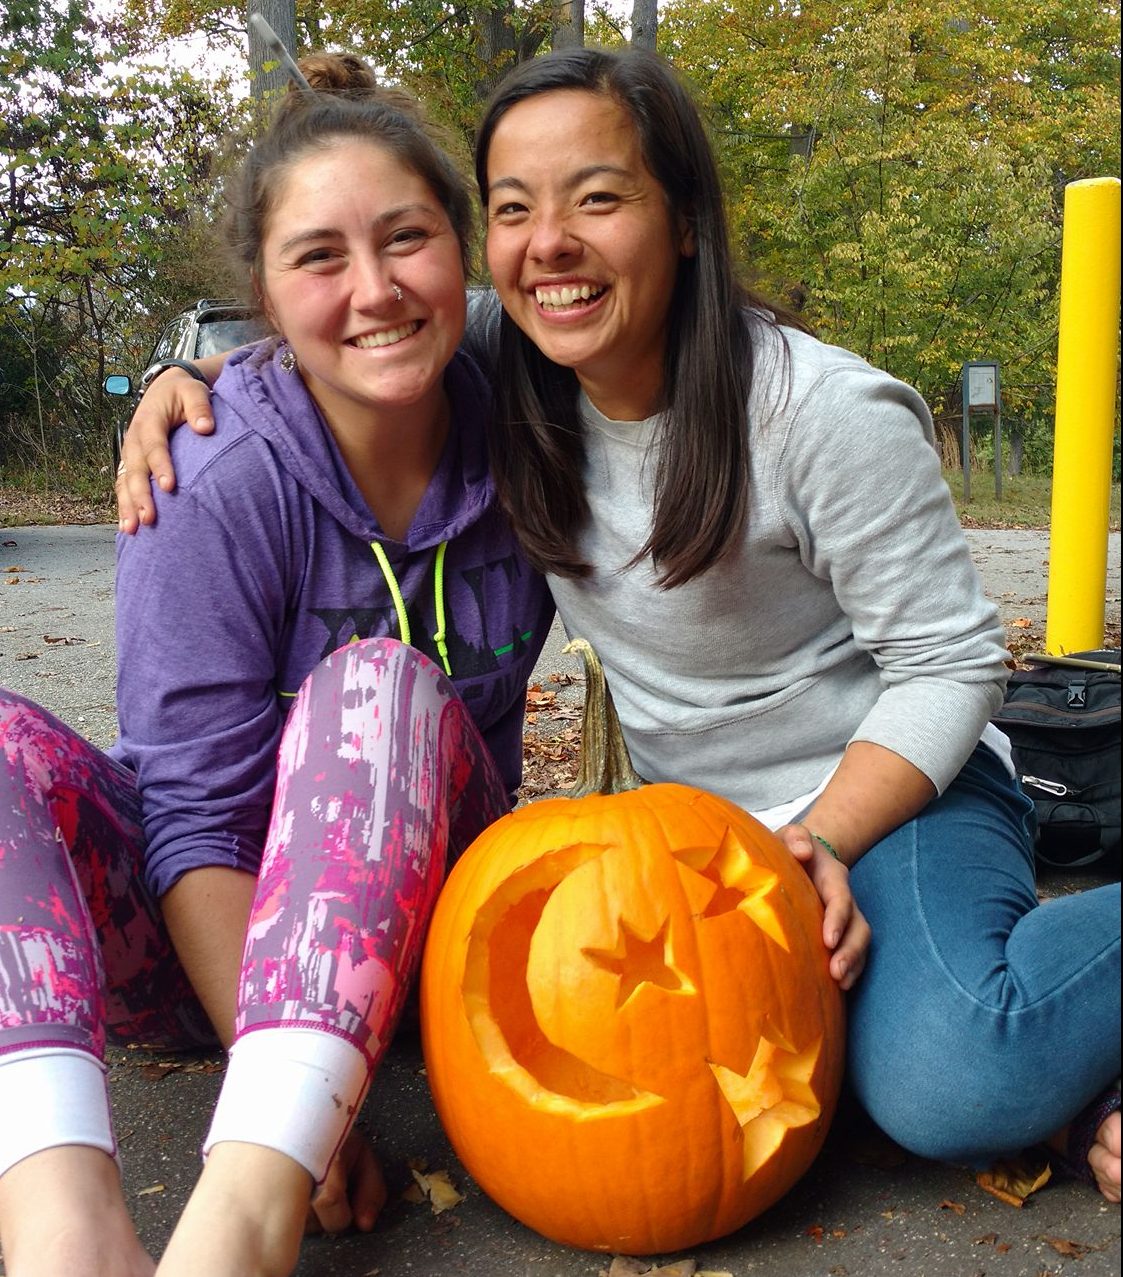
(65, 640)
(948, 1204)
(1014, 1179)
(1022, 622)
(413, 1194)
(438, 1188)
(815, 1231)
(159, 1070)
(15, 568)
(27, 656)
(625, 1266)
(204, 1066)
(152, 1188)
(680, 1268)
(1070, 1249)
(987, 1239)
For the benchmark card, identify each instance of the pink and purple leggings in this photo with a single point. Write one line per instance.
(382, 780)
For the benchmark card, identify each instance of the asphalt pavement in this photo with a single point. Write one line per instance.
(864, 1208)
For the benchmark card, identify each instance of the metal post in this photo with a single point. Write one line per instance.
(1087, 360)
(966, 442)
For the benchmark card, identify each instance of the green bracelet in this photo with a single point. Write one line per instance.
(820, 839)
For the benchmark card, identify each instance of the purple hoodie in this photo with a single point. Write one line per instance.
(260, 565)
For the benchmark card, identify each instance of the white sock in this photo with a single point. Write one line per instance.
(295, 1090)
(50, 1096)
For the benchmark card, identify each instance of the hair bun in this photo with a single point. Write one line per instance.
(338, 73)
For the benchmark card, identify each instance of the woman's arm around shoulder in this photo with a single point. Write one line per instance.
(172, 398)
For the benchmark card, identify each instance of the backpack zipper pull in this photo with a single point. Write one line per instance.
(1053, 787)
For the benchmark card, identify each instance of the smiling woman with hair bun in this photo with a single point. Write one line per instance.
(320, 706)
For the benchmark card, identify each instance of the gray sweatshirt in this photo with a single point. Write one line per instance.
(852, 610)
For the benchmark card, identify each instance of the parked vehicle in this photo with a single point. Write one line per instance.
(207, 328)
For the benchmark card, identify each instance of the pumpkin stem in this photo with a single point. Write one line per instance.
(606, 767)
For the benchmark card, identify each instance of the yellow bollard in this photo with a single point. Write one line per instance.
(1087, 359)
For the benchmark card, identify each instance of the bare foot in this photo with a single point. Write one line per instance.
(1103, 1157)
(245, 1217)
(62, 1214)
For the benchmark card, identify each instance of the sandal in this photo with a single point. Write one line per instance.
(1073, 1162)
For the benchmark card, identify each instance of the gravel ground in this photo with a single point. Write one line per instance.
(865, 1208)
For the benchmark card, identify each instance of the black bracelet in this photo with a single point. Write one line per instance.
(162, 365)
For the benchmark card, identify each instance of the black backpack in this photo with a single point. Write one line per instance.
(1063, 725)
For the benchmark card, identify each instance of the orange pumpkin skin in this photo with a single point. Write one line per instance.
(630, 1032)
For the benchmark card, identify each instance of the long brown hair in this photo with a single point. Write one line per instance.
(702, 480)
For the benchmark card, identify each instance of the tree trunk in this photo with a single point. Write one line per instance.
(281, 16)
(500, 46)
(569, 29)
(645, 24)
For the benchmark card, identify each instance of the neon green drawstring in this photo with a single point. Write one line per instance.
(399, 602)
(439, 600)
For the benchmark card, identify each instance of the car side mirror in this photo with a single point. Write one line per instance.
(118, 384)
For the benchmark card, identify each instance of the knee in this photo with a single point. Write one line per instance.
(945, 1091)
(368, 666)
(19, 717)
(29, 735)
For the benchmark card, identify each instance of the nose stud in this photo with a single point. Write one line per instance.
(398, 292)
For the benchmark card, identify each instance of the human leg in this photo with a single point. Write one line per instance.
(985, 1021)
(73, 916)
(381, 773)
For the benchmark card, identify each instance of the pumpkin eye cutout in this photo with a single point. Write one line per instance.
(631, 1035)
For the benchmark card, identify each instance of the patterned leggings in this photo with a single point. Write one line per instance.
(382, 778)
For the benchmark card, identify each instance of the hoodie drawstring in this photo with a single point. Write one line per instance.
(399, 603)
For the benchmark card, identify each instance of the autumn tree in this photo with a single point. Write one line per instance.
(451, 54)
(896, 171)
(103, 165)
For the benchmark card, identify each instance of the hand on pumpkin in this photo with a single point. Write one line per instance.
(845, 930)
(353, 1192)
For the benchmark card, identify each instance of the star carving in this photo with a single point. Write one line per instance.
(736, 883)
(774, 1096)
(637, 960)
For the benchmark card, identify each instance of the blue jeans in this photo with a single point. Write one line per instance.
(984, 1021)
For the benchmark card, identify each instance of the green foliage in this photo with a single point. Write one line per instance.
(451, 54)
(105, 161)
(896, 171)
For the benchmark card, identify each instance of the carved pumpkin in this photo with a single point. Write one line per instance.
(630, 1032)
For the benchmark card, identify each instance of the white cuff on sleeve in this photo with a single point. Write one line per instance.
(296, 1090)
(50, 1096)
